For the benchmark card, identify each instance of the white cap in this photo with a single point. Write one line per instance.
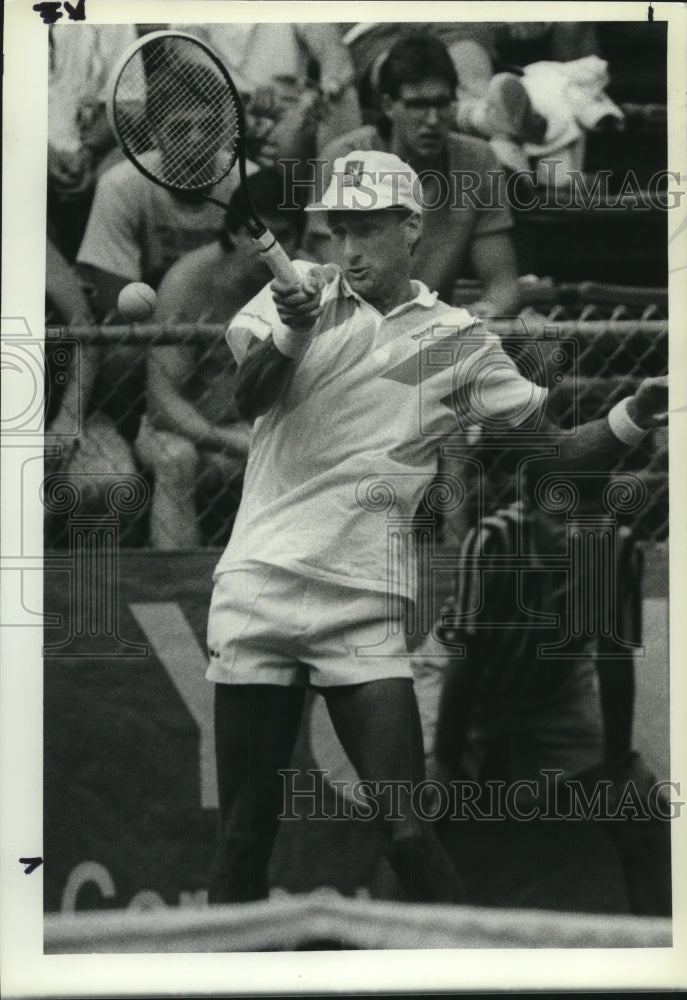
(368, 179)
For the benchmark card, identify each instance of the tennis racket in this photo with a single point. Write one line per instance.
(178, 117)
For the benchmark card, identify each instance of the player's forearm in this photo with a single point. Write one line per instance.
(625, 426)
(598, 446)
(260, 378)
(290, 313)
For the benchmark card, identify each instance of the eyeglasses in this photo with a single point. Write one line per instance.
(417, 105)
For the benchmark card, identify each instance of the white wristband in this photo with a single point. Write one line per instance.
(291, 343)
(623, 426)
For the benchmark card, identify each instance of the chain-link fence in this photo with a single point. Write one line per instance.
(590, 343)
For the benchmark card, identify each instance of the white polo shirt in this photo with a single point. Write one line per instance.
(353, 438)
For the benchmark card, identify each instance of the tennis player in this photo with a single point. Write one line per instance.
(354, 380)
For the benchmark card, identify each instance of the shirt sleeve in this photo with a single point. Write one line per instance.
(110, 241)
(490, 391)
(259, 318)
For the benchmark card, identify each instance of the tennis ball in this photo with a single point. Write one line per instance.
(137, 301)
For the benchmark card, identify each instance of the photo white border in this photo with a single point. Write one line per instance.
(25, 970)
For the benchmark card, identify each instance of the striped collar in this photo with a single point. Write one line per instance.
(423, 297)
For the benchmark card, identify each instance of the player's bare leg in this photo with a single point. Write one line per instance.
(255, 730)
(378, 724)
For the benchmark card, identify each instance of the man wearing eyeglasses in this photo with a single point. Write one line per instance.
(466, 220)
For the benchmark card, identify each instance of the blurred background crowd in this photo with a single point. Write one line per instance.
(534, 103)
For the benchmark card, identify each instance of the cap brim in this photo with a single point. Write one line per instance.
(320, 206)
(351, 198)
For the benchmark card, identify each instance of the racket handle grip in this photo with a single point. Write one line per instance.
(277, 260)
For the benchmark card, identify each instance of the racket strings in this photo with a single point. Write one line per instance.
(176, 112)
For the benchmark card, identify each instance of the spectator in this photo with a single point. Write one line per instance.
(66, 303)
(531, 115)
(88, 443)
(498, 106)
(507, 713)
(291, 132)
(78, 133)
(135, 232)
(471, 45)
(418, 83)
(284, 58)
(136, 229)
(193, 438)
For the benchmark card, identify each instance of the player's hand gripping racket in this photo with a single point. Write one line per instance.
(178, 117)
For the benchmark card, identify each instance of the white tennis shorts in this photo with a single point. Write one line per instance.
(269, 625)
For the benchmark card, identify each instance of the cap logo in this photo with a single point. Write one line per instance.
(353, 173)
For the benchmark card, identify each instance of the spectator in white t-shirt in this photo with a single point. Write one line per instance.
(135, 232)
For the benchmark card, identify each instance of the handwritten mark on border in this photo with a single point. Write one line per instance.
(50, 11)
(31, 864)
